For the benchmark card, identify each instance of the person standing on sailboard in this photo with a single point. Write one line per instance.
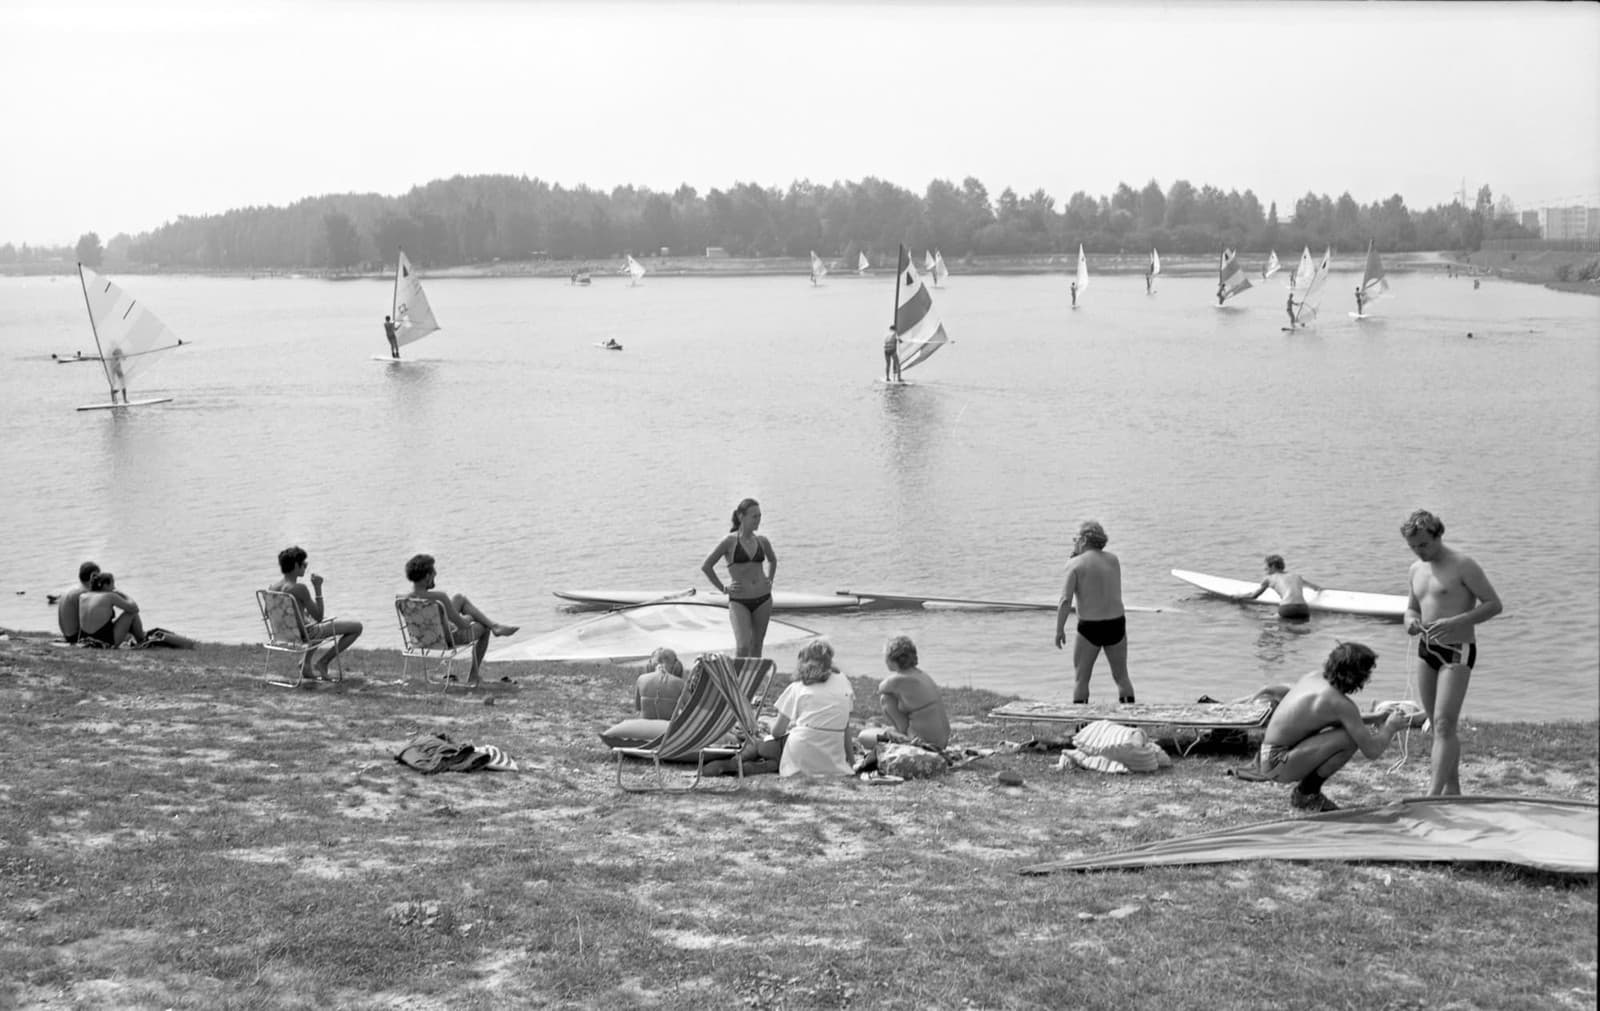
(393, 333)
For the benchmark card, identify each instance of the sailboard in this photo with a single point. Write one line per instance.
(633, 633)
(413, 316)
(940, 271)
(1272, 265)
(782, 600)
(818, 269)
(1230, 277)
(1083, 273)
(879, 600)
(916, 321)
(635, 271)
(862, 265)
(1306, 311)
(1372, 605)
(128, 339)
(1374, 284)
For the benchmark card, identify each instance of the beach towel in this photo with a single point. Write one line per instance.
(1118, 749)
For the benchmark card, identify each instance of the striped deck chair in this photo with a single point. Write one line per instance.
(713, 702)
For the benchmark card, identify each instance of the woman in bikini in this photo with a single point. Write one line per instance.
(751, 565)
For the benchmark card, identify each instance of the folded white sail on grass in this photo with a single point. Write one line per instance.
(413, 315)
(1374, 285)
(915, 319)
(130, 338)
(1230, 276)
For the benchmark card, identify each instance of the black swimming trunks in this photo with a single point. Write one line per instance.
(105, 635)
(1437, 654)
(1294, 612)
(1105, 632)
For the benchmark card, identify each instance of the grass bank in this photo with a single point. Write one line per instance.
(178, 834)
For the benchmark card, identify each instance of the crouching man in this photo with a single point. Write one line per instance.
(1316, 729)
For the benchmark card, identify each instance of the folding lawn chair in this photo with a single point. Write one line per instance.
(425, 636)
(287, 633)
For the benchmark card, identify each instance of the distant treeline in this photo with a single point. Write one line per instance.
(480, 219)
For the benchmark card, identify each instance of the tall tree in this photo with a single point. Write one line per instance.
(88, 249)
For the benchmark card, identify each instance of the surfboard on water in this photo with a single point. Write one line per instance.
(1374, 605)
(782, 600)
(1359, 315)
(893, 382)
(120, 406)
(911, 600)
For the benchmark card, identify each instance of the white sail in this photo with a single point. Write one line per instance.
(1230, 277)
(818, 269)
(1155, 262)
(927, 262)
(413, 315)
(129, 337)
(915, 319)
(1374, 285)
(940, 271)
(1301, 278)
(1083, 270)
(1272, 265)
(635, 270)
(863, 265)
(1306, 311)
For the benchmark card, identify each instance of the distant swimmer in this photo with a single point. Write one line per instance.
(1469, 335)
(1290, 587)
(391, 331)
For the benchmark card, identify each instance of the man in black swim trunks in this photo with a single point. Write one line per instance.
(1449, 597)
(1094, 580)
(106, 615)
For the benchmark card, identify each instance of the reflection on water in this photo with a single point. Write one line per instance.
(1273, 644)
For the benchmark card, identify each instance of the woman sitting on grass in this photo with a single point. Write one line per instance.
(911, 701)
(656, 692)
(811, 736)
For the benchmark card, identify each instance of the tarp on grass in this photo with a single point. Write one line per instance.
(1548, 834)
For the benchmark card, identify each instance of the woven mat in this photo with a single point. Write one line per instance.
(1207, 715)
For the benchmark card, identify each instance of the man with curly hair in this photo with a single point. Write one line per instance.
(1316, 729)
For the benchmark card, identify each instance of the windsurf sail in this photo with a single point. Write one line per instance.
(1083, 270)
(1230, 277)
(1155, 262)
(1374, 285)
(1301, 278)
(633, 633)
(413, 316)
(1306, 311)
(818, 269)
(940, 271)
(635, 271)
(128, 337)
(862, 266)
(927, 262)
(915, 319)
(1272, 265)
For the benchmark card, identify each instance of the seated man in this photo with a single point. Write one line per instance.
(67, 606)
(910, 701)
(655, 694)
(470, 624)
(292, 563)
(1316, 729)
(99, 622)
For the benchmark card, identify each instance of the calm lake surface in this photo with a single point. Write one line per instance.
(527, 460)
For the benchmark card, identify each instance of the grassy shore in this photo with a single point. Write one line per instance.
(179, 834)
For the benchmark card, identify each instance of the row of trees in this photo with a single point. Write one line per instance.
(479, 219)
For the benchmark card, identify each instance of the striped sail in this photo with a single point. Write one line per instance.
(915, 319)
(1083, 270)
(129, 336)
(635, 270)
(818, 269)
(1306, 311)
(1272, 265)
(1230, 277)
(1374, 285)
(940, 271)
(413, 315)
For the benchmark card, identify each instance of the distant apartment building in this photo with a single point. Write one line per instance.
(1530, 221)
(1569, 223)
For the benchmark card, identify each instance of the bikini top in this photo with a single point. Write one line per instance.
(739, 557)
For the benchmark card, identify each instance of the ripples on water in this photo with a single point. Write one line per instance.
(527, 460)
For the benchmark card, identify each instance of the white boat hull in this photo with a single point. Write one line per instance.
(1374, 605)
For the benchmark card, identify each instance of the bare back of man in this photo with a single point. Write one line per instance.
(1094, 589)
(1313, 732)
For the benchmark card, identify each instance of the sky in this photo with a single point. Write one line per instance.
(120, 117)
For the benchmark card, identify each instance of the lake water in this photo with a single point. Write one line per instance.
(527, 460)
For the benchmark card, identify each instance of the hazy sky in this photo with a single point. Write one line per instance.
(119, 117)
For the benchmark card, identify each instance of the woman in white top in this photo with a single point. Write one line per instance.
(811, 736)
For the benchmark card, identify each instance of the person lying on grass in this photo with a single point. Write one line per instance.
(911, 701)
(1316, 729)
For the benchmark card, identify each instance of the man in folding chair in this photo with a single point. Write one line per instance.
(292, 562)
(471, 624)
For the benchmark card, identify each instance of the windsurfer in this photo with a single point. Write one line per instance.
(393, 333)
(1361, 302)
(470, 623)
(1449, 597)
(118, 380)
(1149, 278)
(1316, 729)
(1290, 587)
(1222, 292)
(891, 356)
(1074, 294)
(1094, 580)
(752, 564)
(292, 563)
